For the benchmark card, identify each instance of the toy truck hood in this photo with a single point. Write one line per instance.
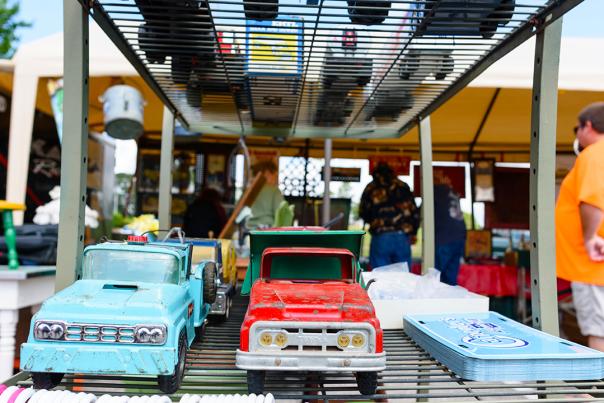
(323, 301)
(102, 300)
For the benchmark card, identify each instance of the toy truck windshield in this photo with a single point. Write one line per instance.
(122, 265)
(308, 264)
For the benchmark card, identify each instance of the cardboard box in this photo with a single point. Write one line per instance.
(391, 312)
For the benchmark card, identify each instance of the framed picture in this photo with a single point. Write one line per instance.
(478, 244)
(484, 188)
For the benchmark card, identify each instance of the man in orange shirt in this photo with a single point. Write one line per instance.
(580, 226)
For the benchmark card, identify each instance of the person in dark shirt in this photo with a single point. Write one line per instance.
(389, 208)
(205, 217)
(450, 230)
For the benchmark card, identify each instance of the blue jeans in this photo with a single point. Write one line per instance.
(389, 247)
(447, 260)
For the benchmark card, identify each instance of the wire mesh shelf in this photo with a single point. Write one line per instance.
(411, 375)
(308, 68)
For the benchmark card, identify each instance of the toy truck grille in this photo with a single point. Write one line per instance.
(99, 333)
(52, 330)
(315, 337)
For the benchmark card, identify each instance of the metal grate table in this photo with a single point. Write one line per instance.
(410, 375)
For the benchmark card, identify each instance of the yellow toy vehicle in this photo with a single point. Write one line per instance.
(222, 252)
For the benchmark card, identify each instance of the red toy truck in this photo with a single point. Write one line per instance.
(308, 313)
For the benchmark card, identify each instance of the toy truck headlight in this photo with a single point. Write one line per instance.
(45, 330)
(272, 339)
(352, 340)
(151, 334)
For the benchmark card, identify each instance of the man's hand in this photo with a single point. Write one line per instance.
(595, 248)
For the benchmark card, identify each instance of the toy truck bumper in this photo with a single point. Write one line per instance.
(303, 361)
(97, 359)
(219, 308)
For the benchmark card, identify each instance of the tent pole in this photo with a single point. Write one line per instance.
(22, 112)
(165, 170)
(542, 178)
(425, 144)
(327, 181)
(486, 115)
(74, 147)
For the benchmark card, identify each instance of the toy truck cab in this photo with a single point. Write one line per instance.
(134, 312)
(307, 311)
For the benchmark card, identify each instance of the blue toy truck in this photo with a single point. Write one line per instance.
(134, 311)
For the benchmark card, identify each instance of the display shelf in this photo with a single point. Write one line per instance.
(410, 375)
(318, 67)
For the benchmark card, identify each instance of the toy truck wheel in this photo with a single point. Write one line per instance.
(255, 382)
(447, 68)
(194, 94)
(46, 380)
(210, 288)
(181, 69)
(263, 10)
(367, 382)
(500, 17)
(170, 383)
(227, 313)
(200, 331)
(360, 12)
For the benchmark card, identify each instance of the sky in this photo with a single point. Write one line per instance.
(46, 17)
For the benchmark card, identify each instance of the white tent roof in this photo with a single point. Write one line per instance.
(581, 66)
(44, 57)
(581, 62)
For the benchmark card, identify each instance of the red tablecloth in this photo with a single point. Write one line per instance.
(495, 280)
(491, 280)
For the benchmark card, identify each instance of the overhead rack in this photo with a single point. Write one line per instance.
(315, 68)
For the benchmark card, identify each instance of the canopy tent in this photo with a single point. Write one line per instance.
(33, 64)
(505, 134)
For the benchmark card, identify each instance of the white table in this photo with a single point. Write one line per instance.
(28, 286)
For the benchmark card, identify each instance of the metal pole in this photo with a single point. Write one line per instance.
(425, 144)
(165, 171)
(74, 147)
(305, 182)
(542, 180)
(473, 145)
(327, 181)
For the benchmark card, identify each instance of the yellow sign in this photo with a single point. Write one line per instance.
(274, 52)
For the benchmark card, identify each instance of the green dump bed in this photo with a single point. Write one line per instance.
(260, 240)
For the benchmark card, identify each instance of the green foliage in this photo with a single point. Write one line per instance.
(120, 220)
(8, 27)
(467, 217)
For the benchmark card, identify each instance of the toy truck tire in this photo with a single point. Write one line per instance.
(263, 10)
(367, 382)
(170, 383)
(210, 288)
(46, 380)
(364, 16)
(501, 16)
(255, 382)
(448, 65)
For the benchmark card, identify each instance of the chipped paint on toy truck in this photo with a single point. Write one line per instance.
(124, 316)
